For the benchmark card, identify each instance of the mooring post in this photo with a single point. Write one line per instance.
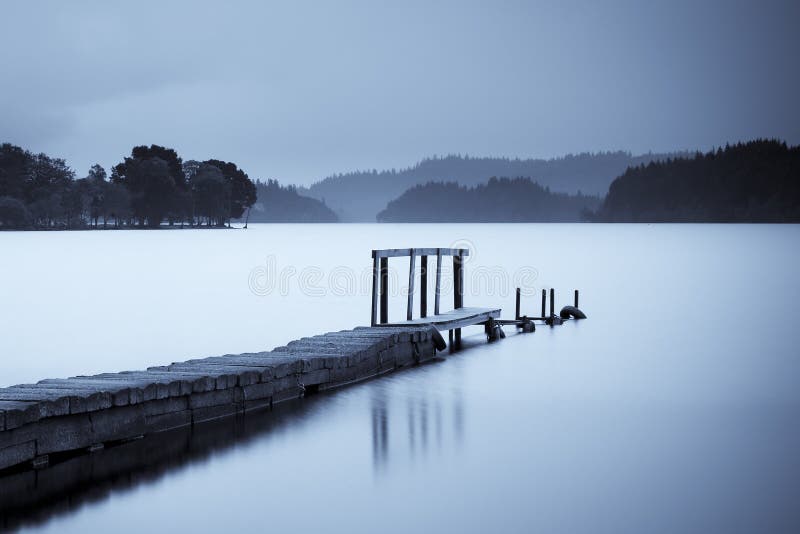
(375, 282)
(423, 286)
(517, 314)
(552, 302)
(450, 340)
(544, 302)
(411, 266)
(384, 291)
(576, 298)
(438, 281)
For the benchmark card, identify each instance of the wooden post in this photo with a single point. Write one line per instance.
(450, 340)
(544, 302)
(517, 314)
(576, 298)
(552, 302)
(458, 281)
(438, 281)
(411, 266)
(423, 287)
(384, 290)
(458, 293)
(375, 282)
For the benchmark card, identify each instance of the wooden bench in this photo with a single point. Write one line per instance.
(453, 320)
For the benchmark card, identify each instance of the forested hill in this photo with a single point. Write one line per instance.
(277, 203)
(358, 196)
(758, 181)
(499, 200)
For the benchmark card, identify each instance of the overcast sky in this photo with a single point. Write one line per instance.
(297, 91)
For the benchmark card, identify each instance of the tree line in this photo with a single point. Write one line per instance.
(278, 204)
(152, 186)
(757, 181)
(499, 200)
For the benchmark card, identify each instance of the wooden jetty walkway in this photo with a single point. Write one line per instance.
(85, 413)
(57, 417)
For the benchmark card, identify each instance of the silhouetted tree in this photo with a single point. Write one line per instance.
(13, 213)
(758, 181)
(276, 203)
(211, 194)
(242, 189)
(499, 200)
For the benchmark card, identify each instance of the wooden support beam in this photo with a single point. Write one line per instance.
(384, 290)
(438, 281)
(423, 287)
(411, 267)
(458, 281)
(375, 282)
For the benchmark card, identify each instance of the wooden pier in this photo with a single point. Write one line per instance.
(452, 321)
(84, 413)
(56, 417)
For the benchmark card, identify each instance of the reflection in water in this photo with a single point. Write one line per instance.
(422, 409)
(34, 497)
(380, 429)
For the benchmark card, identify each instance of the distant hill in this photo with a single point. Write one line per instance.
(276, 203)
(758, 181)
(359, 196)
(499, 200)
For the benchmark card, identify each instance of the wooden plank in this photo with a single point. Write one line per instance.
(453, 319)
(423, 287)
(398, 252)
(375, 282)
(438, 281)
(411, 267)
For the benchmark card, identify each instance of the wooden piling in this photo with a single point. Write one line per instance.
(423, 286)
(544, 301)
(375, 282)
(384, 290)
(517, 312)
(552, 302)
(411, 268)
(576, 298)
(438, 281)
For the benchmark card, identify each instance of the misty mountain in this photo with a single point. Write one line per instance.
(499, 200)
(758, 181)
(359, 196)
(277, 203)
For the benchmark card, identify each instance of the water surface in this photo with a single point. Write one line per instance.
(673, 408)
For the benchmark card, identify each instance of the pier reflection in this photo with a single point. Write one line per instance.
(30, 498)
(420, 424)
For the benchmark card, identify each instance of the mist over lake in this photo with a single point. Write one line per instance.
(672, 408)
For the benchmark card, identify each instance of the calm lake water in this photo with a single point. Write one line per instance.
(674, 408)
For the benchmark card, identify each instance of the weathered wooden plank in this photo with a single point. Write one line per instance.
(399, 252)
(18, 413)
(50, 404)
(454, 319)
